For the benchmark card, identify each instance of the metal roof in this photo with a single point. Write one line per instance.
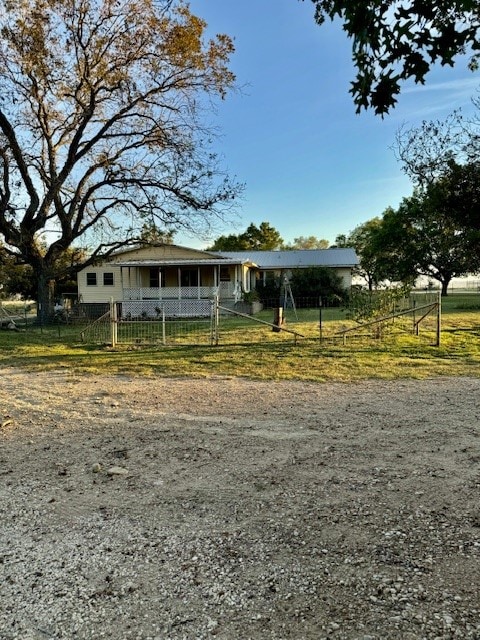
(179, 263)
(294, 259)
(297, 258)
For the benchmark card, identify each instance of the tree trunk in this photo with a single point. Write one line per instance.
(445, 284)
(45, 298)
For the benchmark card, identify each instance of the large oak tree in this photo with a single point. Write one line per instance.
(100, 126)
(422, 237)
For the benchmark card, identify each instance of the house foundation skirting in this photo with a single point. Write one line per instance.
(156, 309)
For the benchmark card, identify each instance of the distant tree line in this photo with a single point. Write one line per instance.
(264, 237)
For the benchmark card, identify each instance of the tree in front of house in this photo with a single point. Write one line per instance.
(369, 252)
(397, 40)
(100, 127)
(319, 283)
(261, 238)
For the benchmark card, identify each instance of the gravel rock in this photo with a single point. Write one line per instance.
(252, 510)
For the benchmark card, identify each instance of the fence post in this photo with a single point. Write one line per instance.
(278, 319)
(439, 319)
(113, 322)
(320, 317)
(164, 332)
(215, 319)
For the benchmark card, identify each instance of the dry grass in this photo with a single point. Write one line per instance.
(254, 351)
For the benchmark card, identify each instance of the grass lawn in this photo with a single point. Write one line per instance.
(253, 350)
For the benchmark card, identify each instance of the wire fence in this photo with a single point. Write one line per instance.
(417, 315)
(116, 327)
(113, 324)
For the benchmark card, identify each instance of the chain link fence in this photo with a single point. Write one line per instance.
(166, 325)
(184, 323)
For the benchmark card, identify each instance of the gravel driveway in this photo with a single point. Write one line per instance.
(151, 508)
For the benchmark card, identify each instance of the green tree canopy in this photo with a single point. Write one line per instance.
(421, 237)
(100, 127)
(307, 242)
(261, 238)
(20, 279)
(396, 40)
(152, 234)
(457, 194)
(446, 154)
(317, 282)
(369, 251)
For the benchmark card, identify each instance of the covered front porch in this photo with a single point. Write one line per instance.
(224, 290)
(182, 288)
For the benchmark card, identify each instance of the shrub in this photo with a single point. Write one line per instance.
(318, 282)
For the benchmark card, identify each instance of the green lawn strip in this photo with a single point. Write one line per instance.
(255, 351)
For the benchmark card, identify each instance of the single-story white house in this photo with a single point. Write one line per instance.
(176, 280)
(283, 263)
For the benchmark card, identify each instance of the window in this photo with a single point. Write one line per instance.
(91, 279)
(108, 279)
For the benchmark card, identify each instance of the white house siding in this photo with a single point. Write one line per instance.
(100, 292)
(341, 261)
(131, 269)
(346, 276)
(131, 277)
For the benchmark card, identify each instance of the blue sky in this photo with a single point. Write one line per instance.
(310, 164)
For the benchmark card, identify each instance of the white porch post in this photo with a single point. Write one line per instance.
(139, 282)
(198, 282)
(179, 278)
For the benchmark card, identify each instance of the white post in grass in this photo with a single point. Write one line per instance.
(113, 323)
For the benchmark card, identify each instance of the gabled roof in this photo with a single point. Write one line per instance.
(297, 258)
(175, 255)
(169, 255)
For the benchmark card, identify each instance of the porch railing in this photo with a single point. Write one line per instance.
(225, 290)
(168, 293)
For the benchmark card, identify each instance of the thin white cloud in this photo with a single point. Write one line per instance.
(436, 99)
(460, 86)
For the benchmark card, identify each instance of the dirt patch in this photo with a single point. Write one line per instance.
(138, 508)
